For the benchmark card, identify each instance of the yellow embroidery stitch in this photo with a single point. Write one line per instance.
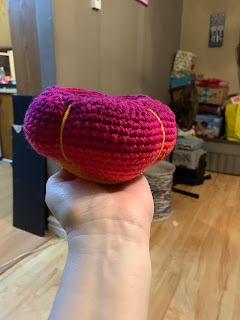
(61, 132)
(163, 133)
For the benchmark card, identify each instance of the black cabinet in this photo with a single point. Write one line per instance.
(29, 177)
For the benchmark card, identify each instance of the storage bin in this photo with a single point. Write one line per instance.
(223, 156)
(160, 178)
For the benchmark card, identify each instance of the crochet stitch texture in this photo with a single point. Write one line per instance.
(102, 138)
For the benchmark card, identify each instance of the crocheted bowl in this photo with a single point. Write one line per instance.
(102, 138)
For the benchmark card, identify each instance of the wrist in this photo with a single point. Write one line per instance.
(106, 245)
(109, 263)
(110, 253)
(120, 244)
(128, 259)
(106, 269)
(110, 232)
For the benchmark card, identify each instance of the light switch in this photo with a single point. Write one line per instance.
(96, 4)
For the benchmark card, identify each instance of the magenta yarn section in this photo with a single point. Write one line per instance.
(110, 138)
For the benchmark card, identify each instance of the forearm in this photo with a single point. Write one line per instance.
(105, 277)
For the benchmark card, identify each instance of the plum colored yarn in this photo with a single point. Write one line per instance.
(102, 138)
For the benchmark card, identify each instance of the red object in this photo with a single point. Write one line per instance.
(4, 81)
(107, 139)
(145, 2)
(211, 83)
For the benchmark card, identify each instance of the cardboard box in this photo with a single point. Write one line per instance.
(208, 126)
(212, 95)
(184, 63)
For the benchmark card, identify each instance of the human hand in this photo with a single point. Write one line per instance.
(86, 207)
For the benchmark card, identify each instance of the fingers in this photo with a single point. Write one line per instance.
(54, 188)
(54, 182)
(64, 185)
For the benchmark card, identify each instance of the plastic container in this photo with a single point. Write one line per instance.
(160, 178)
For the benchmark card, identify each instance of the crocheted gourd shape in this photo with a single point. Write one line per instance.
(102, 138)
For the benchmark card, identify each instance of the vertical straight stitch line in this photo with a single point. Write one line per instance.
(61, 132)
(163, 133)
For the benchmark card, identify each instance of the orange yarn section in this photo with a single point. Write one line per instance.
(61, 132)
(79, 173)
(163, 133)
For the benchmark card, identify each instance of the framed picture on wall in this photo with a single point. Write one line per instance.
(145, 2)
(217, 22)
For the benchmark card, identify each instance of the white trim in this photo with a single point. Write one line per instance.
(8, 90)
(7, 160)
(12, 67)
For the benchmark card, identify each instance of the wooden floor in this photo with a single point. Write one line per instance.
(196, 265)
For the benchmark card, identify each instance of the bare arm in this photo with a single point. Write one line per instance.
(108, 271)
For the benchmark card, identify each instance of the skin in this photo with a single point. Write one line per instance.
(108, 270)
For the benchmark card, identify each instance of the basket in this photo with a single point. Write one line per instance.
(160, 178)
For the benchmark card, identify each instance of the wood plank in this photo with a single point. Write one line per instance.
(195, 266)
(32, 284)
(32, 34)
(13, 241)
(6, 208)
(6, 121)
(24, 36)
